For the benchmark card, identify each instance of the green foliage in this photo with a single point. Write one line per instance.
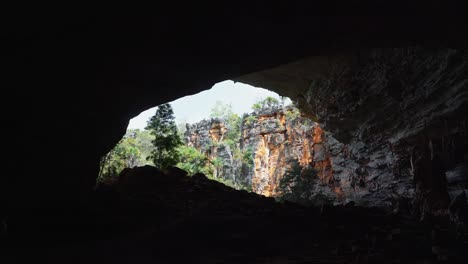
(131, 151)
(250, 120)
(231, 143)
(193, 161)
(233, 121)
(247, 157)
(217, 162)
(221, 110)
(257, 106)
(269, 102)
(181, 129)
(143, 142)
(237, 154)
(292, 114)
(208, 145)
(234, 127)
(166, 138)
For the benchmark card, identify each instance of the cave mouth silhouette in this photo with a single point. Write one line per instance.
(116, 66)
(215, 117)
(147, 212)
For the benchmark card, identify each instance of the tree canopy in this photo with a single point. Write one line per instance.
(132, 150)
(267, 103)
(166, 138)
(233, 120)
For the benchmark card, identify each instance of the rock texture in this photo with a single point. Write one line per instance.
(208, 136)
(96, 71)
(72, 82)
(400, 112)
(296, 158)
(155, 217)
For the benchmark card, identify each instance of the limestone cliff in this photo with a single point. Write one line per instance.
(208, 136)
(400, 111)
(295, 158)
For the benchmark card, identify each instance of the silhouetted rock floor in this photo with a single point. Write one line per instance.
(180, 219)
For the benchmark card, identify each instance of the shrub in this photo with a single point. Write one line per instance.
(247, 157)
(292, 114)
(193, 161)
(250, 120)
(268, 102)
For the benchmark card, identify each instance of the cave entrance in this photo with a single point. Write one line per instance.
(245, 137)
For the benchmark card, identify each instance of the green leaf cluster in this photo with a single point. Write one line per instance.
(267, 103)
(232, 120)
(250, 120)
(132, 150)
(247, 157)
(292, 113)
(193, 161)
(166, 138)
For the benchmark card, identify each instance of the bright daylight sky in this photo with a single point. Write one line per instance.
(193, 108)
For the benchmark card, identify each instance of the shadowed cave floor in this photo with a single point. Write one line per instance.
(174, 219)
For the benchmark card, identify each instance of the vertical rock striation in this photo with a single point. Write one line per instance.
(402, 114)
(296, 159)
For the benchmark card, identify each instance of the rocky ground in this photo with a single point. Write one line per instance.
(151, 217)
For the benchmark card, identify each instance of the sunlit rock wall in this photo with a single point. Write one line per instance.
(402, 112)
(208, 137)
(289, 150)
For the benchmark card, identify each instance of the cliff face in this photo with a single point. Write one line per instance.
(296, 159)
(208, 136)
(398, 118)
(401, 112)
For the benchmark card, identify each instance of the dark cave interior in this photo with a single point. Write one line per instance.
(394, 84)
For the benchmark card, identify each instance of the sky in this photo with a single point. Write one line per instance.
(193, 108)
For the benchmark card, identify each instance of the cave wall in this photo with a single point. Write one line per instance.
(295, 159)
(403, 109)
(74, 80)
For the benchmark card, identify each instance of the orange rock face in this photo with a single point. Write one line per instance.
(279, 142)
(217, 131)
(292, 155)
(322, 162)
(266, 138)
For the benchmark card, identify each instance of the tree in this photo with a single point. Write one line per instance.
(126, 154)
(269, 102)
(233, 121)
(144, 144)
(221, 110)
(166, 139)
(193, 161)
(182, 128)
(218, 164)
(247, 157)
(257, 106)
